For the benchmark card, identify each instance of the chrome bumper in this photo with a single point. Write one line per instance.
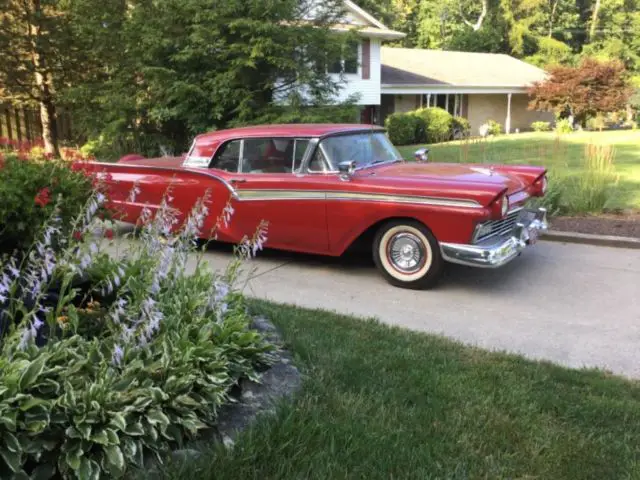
(503, 250)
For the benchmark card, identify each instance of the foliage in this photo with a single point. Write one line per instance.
(297, 110)
(592, 87)
(97, 378)
(494, 128)
(541, 126)
(404, 128)
(564, 126)
(460, 127)
(201, 68)
(29, 192)
(438, 124)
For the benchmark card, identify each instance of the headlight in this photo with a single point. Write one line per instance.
(505, 205)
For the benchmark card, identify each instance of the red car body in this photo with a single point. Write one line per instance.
(316, 202)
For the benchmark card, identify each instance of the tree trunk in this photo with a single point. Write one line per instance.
(552, 15)
(594, 20)
(43, 82)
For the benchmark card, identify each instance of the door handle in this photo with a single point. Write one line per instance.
(238, 180)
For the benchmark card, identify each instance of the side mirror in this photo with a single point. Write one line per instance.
(422, 155)
(346, 169)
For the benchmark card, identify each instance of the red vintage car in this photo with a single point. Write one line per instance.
(324, 188)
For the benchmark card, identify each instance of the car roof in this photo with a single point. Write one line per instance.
(287, 130)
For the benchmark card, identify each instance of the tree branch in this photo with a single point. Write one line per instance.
(478, 25)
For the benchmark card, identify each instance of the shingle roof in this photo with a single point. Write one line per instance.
(413, 66)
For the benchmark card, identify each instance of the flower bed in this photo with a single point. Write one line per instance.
(106, 361)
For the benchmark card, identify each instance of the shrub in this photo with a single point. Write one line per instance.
(564, 126)
(596, 123)
(460, 127)
(541, 126)
(28, 193)
(495, 128)
(438, 124)
(97, 378)
(405, 128)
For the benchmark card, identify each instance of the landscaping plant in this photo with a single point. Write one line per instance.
(109, 360)
(28, 187)
(541, 126)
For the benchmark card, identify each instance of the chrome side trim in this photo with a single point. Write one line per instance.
(268, 195)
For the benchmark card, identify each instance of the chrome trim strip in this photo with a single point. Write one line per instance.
(268, 195)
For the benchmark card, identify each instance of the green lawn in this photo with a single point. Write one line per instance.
(385, 403)
(565, 153)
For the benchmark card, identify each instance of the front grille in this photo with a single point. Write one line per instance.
(499, 228)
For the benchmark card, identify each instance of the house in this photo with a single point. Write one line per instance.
(477, 86)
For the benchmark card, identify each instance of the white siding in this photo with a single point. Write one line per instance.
(369, 90)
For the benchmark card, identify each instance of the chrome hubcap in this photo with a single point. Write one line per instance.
(406, 252)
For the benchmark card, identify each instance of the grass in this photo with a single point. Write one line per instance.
(564, 155)
(386, 403)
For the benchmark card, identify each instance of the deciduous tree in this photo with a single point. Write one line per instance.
(580, 92)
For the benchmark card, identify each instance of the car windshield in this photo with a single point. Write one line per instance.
(363, 148)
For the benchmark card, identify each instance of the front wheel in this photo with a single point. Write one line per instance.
(408, 255)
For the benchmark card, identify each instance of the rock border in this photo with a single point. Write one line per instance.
(591, 239)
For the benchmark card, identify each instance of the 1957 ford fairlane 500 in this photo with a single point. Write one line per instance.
(324, 187)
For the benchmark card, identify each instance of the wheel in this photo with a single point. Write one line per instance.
(408, 255)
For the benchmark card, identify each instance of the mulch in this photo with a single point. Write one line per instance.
(621, 225)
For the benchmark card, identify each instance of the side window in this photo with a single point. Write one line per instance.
(300, 148)
(268, 155)
(318, 162)
(228, 157)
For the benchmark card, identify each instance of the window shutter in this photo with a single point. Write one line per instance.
(366, 59)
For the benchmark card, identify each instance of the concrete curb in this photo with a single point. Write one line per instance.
(589, 239)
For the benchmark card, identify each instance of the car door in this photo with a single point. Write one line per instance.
(264, 174)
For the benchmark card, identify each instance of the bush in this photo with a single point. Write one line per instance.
(97, 377)
(495, 128)
(29, 192)
(460, 127)
(541, 126)
(405, 128)
(564, 126)
(438, 124)
(596, 123)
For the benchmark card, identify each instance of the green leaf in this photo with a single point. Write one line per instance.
(85, 471)
(114, 439)
(187, 401)
(44, 471)
(73, 458)
(157, 417)
(12, 459)
(12, 443)
(9, 420)
(100, 437)
(130, 448)
(114, 457)
(135, 429)
(32, 372)
(34, 402)
(85, 430)
(118, 421)
(37, 426)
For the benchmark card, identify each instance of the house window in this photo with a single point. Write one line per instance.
(348, 61)
(451, 102)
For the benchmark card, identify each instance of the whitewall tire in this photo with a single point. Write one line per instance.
(407, 254)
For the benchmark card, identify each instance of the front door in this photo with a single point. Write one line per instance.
(269, 189)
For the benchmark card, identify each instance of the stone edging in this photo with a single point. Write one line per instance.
(590, 239)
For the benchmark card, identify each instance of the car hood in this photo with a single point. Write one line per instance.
(448, 172)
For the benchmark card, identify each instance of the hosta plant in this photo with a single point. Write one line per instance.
(111, 358)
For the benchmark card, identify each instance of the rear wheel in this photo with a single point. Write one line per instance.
(407, 254)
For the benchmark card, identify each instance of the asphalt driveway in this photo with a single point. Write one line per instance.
(576, 305)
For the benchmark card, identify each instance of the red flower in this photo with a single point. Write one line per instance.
(108, 233)
(42, 199)
(77, 236)
(24, 156)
